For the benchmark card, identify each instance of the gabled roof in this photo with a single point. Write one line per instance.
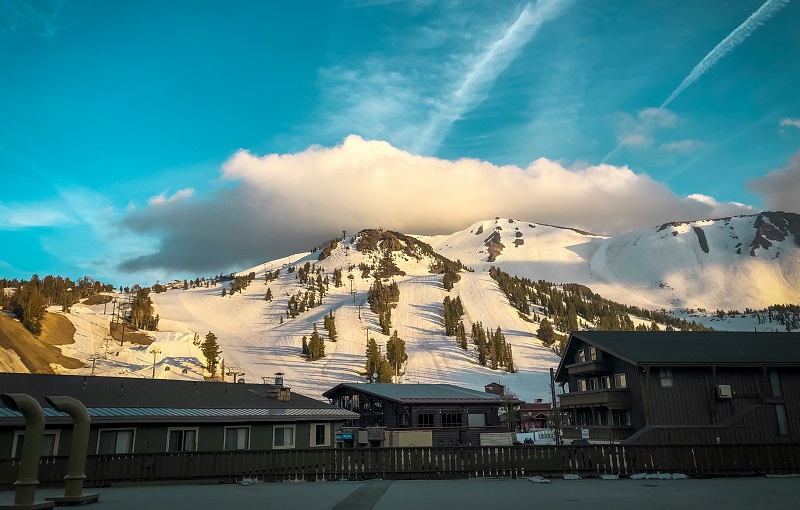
(420, 393)
(685, 348)
(110, 399)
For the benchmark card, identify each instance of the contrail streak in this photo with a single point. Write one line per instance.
(479, 78)
(733, 40)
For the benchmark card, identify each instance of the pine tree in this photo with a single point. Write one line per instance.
(546, 333)
(396, 351)
(268, 295)
(210, 351)
(223, 292)
(305, 345)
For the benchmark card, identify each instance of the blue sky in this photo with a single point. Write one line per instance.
(122, 122)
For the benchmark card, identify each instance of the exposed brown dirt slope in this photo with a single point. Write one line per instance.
(132, 335)
(38, 353)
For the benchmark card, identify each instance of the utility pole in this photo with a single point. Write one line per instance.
(93, 358)
(154, 352)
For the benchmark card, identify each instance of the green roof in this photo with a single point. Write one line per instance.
(419, 393)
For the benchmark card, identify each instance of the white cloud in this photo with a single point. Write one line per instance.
(638, 131)
(163, 198)
(780, 189)
(790, 122)
(33, 215)
(684, 146)
(290, 202)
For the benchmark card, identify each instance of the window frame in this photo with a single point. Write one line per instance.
(225, 435)
(581, 356)
(116, 429)
(774, 378)
(620, 377)
(594, 384)
(666, 377)
(21, 433)
(426, 426)
(460, 419)
(183, 429)
(605, 382)
(313, 435)
(294, 437)
(580, 385)
(593, 353)
(783, 426)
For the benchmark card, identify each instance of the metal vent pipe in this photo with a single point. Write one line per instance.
(27, 479)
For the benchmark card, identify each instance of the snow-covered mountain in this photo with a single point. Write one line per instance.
(730, 263)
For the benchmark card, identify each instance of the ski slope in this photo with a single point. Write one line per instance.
(663, 267)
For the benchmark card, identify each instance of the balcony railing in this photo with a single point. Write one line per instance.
(590, 367)
(617, 398)
(599, 432)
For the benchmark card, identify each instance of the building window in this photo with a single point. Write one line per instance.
(594, 384)
(182, 440)
(283, 436)
(425, 420)
(49, 443)
(775, 383)
(451, 419)
(581, 356)
(665, 375)
(113, 441)
(621, 418)
(606, 382)
(581, 384)
(320, 434)
(619, 381)
(783, 421)
(593, 353)
(237, 438)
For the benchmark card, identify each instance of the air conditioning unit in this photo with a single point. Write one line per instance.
(724, 391)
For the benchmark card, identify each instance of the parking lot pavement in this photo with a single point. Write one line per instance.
(485, 494)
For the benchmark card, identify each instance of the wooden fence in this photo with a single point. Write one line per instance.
(421, 463)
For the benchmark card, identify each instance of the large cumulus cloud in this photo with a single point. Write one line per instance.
(283, 203)
(780, 189)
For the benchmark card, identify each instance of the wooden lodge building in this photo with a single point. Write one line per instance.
(155, 416)
(681, 387)
(417, 414)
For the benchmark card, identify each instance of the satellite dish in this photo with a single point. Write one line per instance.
(375, 375)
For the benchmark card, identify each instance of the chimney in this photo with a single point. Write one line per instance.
(279, 379)
(284, 394)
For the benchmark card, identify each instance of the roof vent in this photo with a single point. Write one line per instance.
(724, 391)
(279, 379)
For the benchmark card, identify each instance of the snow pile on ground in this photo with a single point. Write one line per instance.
(176, 358)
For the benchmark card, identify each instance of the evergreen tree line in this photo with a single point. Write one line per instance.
(564, 306)
(30, 298)
(270, 276)
(330, 325)
(382, 298)
(314, 348)
(786, 315)
(141, 311)
(453, 310)
(378, 364)
(493, 350)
